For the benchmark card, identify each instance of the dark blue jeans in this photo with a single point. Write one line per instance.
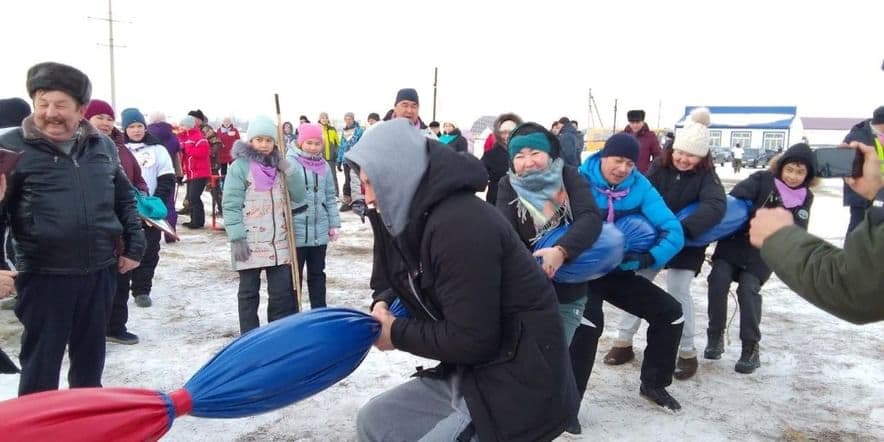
(59, 311)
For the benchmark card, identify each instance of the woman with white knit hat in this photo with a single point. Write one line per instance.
(684, 175)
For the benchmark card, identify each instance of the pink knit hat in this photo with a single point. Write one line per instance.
(307, 131)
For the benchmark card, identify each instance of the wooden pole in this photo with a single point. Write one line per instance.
(290, 225)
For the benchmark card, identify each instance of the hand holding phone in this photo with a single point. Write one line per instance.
(870, 181)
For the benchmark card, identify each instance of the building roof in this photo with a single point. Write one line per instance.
(746, 117)
(824, 123)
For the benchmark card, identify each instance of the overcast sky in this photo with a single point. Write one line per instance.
(538, 59)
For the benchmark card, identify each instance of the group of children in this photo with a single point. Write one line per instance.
(255, 218)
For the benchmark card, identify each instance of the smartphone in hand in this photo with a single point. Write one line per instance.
(838, 162)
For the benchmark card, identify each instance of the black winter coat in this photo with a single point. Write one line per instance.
(478, 302)
(584, 231)
(861, 132)
(680, 189)
(68, 211)
(736, 249)
(497, 163)
(572, 144)
(459, 143)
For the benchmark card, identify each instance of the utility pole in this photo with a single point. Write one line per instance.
(594, 115)
(615, 116)
(659, 112)
(110, 45)
(435, 83)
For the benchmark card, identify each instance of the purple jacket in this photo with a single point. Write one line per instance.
(163, 131)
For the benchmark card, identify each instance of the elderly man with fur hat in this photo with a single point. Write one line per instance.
(649, 145)
(68, 201)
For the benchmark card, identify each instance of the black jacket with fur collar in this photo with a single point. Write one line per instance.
(68, 211)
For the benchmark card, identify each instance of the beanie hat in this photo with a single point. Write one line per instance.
(188, 122)
(635, 115)
(13, 111)
(51, 76)
(694, 138)
(798, 153)
(198, 114)
(308, 131)
(533, 136)
(878, 116)
(131, 115)
(406, 94)
(621, 145)
(262, 126)
(374, 116)
(99, 107)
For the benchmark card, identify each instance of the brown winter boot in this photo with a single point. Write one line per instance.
(619, 355)
(685, 368)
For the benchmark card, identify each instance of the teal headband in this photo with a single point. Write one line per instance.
(533, 140)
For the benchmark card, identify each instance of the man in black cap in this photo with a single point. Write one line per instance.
(649, 144)
(407, 106)
(75, 226)
(871, 133)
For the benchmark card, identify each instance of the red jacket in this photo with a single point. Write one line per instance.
(227, 137)
(649, 147)
(196, 152)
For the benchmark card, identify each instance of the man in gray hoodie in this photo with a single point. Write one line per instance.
(477, 299)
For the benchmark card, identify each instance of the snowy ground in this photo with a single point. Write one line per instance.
(821, 378)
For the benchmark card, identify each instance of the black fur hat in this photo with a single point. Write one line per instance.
(50, 76)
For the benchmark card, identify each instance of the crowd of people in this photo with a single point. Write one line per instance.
(516, 348)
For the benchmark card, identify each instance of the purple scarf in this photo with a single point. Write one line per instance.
(264, 176)
(612, 195)
(317, 166)
(791, 197)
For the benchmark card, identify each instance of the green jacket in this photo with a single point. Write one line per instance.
(848, 283)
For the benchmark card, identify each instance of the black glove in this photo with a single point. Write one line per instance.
(358, 207)
(637, 261)
(180, 179)
(241, 251)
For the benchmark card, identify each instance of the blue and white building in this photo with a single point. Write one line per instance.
(753, 127)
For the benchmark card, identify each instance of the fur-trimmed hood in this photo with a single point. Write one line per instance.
(244, 150)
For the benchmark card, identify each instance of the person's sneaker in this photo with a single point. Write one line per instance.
(619, 355)
(192, 226)
(714, 346)
(9, 303)
(749, 359)
(685, 368)
(183, 211)
(659, 396)
(143, 301)
(124, 338)
(345, 207)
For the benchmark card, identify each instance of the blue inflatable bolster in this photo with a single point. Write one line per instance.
(604, 255)
(735, 216)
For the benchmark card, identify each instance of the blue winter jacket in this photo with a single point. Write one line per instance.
(318, 212)
(346, 144)
(643, 199)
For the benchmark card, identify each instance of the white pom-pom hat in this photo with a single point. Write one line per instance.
(694, 137)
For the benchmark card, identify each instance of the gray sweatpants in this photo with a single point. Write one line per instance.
(678, 284)
(422, 409)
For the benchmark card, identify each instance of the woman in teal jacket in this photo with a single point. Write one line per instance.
(316, 218)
